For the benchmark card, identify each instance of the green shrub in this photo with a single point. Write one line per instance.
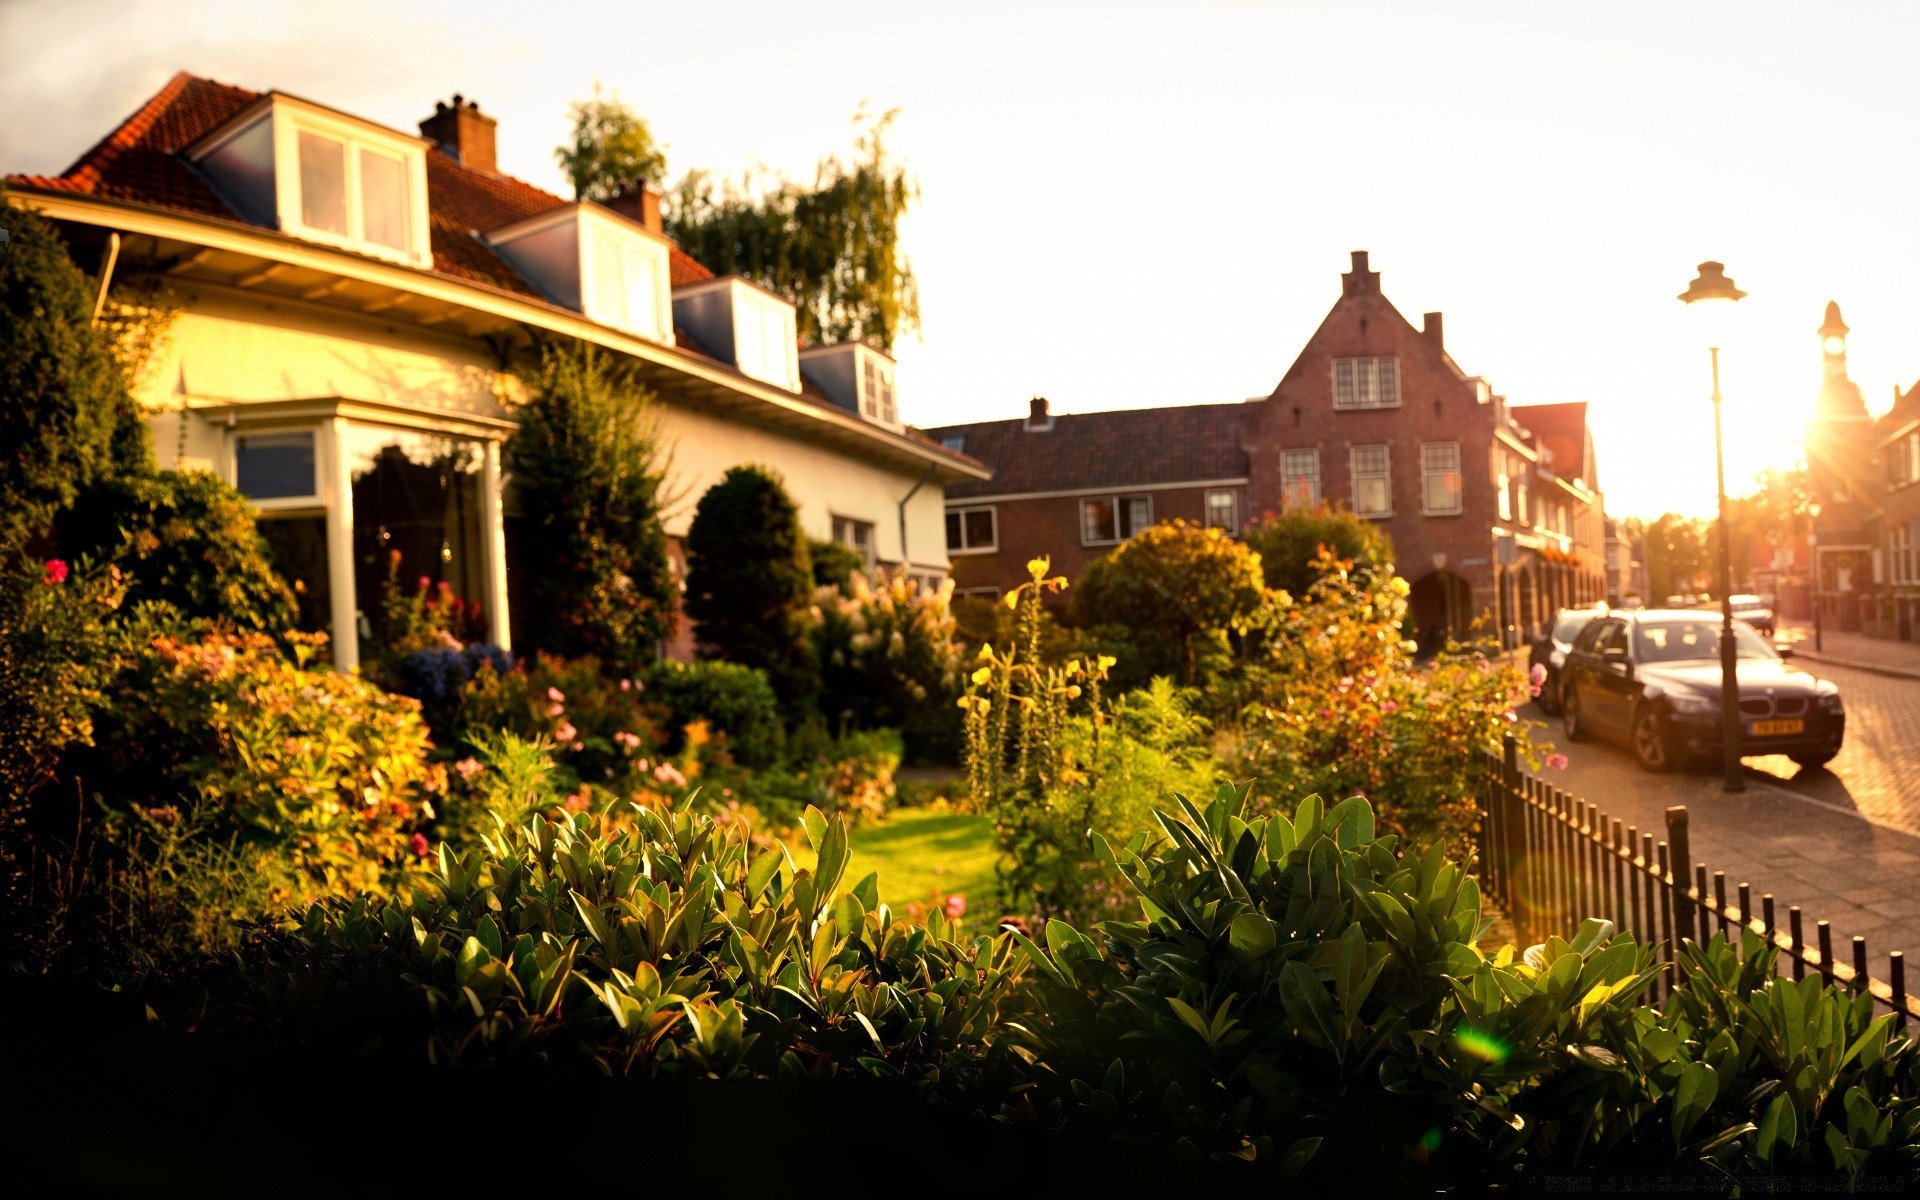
(603, 730)
(750, 583)
(639, 941)
(889, 657)
(185, 539)
(588, 468)
(1170, 601)
(731, 699)
(1289, 545)
(834, 564)
(66, 417)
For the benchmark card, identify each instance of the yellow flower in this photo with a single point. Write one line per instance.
(1106, 662)
(1037, 567)
(982, 675)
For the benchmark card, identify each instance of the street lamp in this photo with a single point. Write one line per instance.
(1813, 552)
(1712, 296)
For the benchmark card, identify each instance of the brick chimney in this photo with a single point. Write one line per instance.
(1360, 281)
(1435, 328)
(639, 203)
(464, 132)
(1038, 417)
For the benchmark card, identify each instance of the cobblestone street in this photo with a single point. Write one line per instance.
(1842, 843)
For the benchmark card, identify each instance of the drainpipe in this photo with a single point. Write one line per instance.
(906, 559)
(106, 274)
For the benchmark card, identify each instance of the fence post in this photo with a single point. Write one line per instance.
(1897, 981)
(1859, 963)
(1824, 935)
(1678, 857)
(1797, 936)
(1513, 819)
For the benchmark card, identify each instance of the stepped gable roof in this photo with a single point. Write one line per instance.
(1561, 430)
(140, 162)
(1120, 449)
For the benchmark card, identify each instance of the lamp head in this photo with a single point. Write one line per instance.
(1711, 297)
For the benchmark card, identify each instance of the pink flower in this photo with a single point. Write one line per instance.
(565, 733)
(56, 570)
(1533, 690)
(1538, 675)
(467, 768)
(425, 583)
(1389, 706)
(627, 741)
(419, 843)
(955, 906)
(626, 685)
(556, 695)
(554, 710)
(1556, 762)
(668, 773)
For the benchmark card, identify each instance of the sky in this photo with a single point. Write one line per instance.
(1126, 205)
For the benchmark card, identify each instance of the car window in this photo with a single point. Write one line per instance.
(1607, 633)
(1572, 622)
(1682, 640)
(1588, 636)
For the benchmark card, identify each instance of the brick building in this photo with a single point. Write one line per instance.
(1494, 512)
(1844, 479)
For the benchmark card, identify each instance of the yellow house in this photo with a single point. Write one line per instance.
(353, 302)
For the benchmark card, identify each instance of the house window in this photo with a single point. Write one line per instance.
(323, 184)
(877, 403)
(976, 593)
(1366, 383)
(1900, 538)
(1504, 495)
(956, 443)
(418, 514)
(275, 466)
(1299, 479)
(972, 531)
(1440, 478)
(383, 199)
(626, 285)
(1110, 519)
(1223, 511)
(1372, 469)
(855, 534)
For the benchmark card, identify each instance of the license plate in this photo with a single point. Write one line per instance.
(1776, 728)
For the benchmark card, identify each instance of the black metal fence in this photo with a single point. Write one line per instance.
(1551, 859)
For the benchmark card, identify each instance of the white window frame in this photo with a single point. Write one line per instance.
(1385, 475)
(1233, 509)
(979, 593)
(354, 139)
(993, 513)
(1431, 470)
(1120, 528)
(1366, 383)
(876, 389)
(631, 248)
(871, 552)
(1290, 478)
(312, 502)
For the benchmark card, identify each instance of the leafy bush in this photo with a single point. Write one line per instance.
(603, 729)
(1336, 704)
(889, 657)
(638, 941)
(750, 582)
(67, 419)
(587, 463)
(439, 679)
(185, 539)
(834, 564)
(731, 699)
(1169, 601)
(1290, 545)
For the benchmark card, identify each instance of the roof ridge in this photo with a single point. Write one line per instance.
(86, 169)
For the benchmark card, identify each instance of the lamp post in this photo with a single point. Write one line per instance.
(1813, 552)
(1712, 295)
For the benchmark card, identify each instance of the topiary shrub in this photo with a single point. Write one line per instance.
(588, 473)
(834, 564)
(890, 657)
(1170, 600)
(67, 419)
(750, 582)
(185, 539)
(731, 699)
(1289, 545)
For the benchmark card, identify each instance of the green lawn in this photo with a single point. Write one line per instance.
(924, 854)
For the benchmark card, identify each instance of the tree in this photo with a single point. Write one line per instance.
(1675, 551)
(1289, 544)
(591, 477)
(612, 150)
(1174, 592)
(750, 581)
(67, 417)
(833, 248)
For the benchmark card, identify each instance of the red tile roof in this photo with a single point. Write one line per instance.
(1125, 448)
(1562, 430)
(140, 163)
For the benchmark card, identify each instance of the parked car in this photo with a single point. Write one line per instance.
(1549, 651)
(1651, 680)
(1755, 612)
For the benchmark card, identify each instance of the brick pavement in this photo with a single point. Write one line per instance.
(1843, 843)
(1855, 650)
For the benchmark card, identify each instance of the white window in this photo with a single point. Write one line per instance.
(626, 282)
(1299, 479)
(1111, 519)
(354, 191)
(972, 531)
(1520, 499)
(275, 466)
(323, 184)
(877, 395)
(383, 199)
(1440, 478)
(1223, 510)
(857, 535)
(1366, 383)
(956, 443)
(1372, 470)
(976, 593)
(1503, 483)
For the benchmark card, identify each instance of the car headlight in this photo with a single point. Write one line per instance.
(1695, 706)
(1832, 703)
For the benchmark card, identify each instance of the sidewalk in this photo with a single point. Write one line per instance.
(1855, 650)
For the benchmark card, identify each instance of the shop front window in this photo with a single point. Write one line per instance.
(417, 523)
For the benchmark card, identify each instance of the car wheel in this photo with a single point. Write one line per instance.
(1570, 712)
(1551, 701)
(1650, 742)
(1814, 759)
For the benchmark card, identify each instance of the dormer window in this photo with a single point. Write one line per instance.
(876, 396)
(855, 377)
(598, 263)
(742, 324)
(323, 176)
